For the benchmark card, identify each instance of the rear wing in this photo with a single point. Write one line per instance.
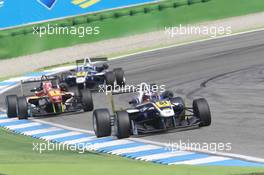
(36, 80)
(91, 60)
(39, 79)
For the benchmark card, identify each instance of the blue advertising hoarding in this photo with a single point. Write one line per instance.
(21, 12)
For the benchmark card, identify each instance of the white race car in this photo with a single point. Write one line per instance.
(92, 72)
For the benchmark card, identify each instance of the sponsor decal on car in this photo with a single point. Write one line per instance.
(163, 104)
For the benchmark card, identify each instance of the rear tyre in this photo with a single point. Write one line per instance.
(202, 111)
(120, 76)
(87, 100)
(102, 123)
(110, 78)
(122, 125)
(76, 91)
(22, 108)
(11, 105)
(80, 85)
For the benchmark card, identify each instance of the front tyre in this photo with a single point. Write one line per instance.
(122, 125)
(22, 108)
(202, 111)
(11, 105)
(87, 100)
(102, 123)
(110, 79)
(120, 76)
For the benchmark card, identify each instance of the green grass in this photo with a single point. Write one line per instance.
(129, 25)
(17, 158)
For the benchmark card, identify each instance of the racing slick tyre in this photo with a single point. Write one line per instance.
(202, 111)
(11, 105)
(76, 91)
(120, 76)
(22, 108)
(180, 107)
(80, 85)
(110, 78)
(122, 125)
(87, 100)
(102, 122)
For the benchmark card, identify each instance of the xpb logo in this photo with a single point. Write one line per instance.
(49, 4)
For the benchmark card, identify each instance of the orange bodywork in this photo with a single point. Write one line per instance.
(55, 95)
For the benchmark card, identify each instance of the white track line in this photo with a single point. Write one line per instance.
(237, 156)
(134, 149)
(188, 43)
(57, 136)
(63, 126)
(41, 131)
(231, 155)
(97, 146)
(21, 126)
(81, 140)
(3, 115)
(8, 120)
(202, 160)
(164, 155)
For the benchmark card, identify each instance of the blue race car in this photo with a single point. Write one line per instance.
(92, 72)
(151, 112)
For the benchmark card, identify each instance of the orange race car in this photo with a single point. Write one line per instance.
(48, 98)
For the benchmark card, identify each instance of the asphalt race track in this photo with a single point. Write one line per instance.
(228, 72)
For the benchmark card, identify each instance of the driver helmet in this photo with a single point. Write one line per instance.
(154, 96)
(146, 97)
(47, 86)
